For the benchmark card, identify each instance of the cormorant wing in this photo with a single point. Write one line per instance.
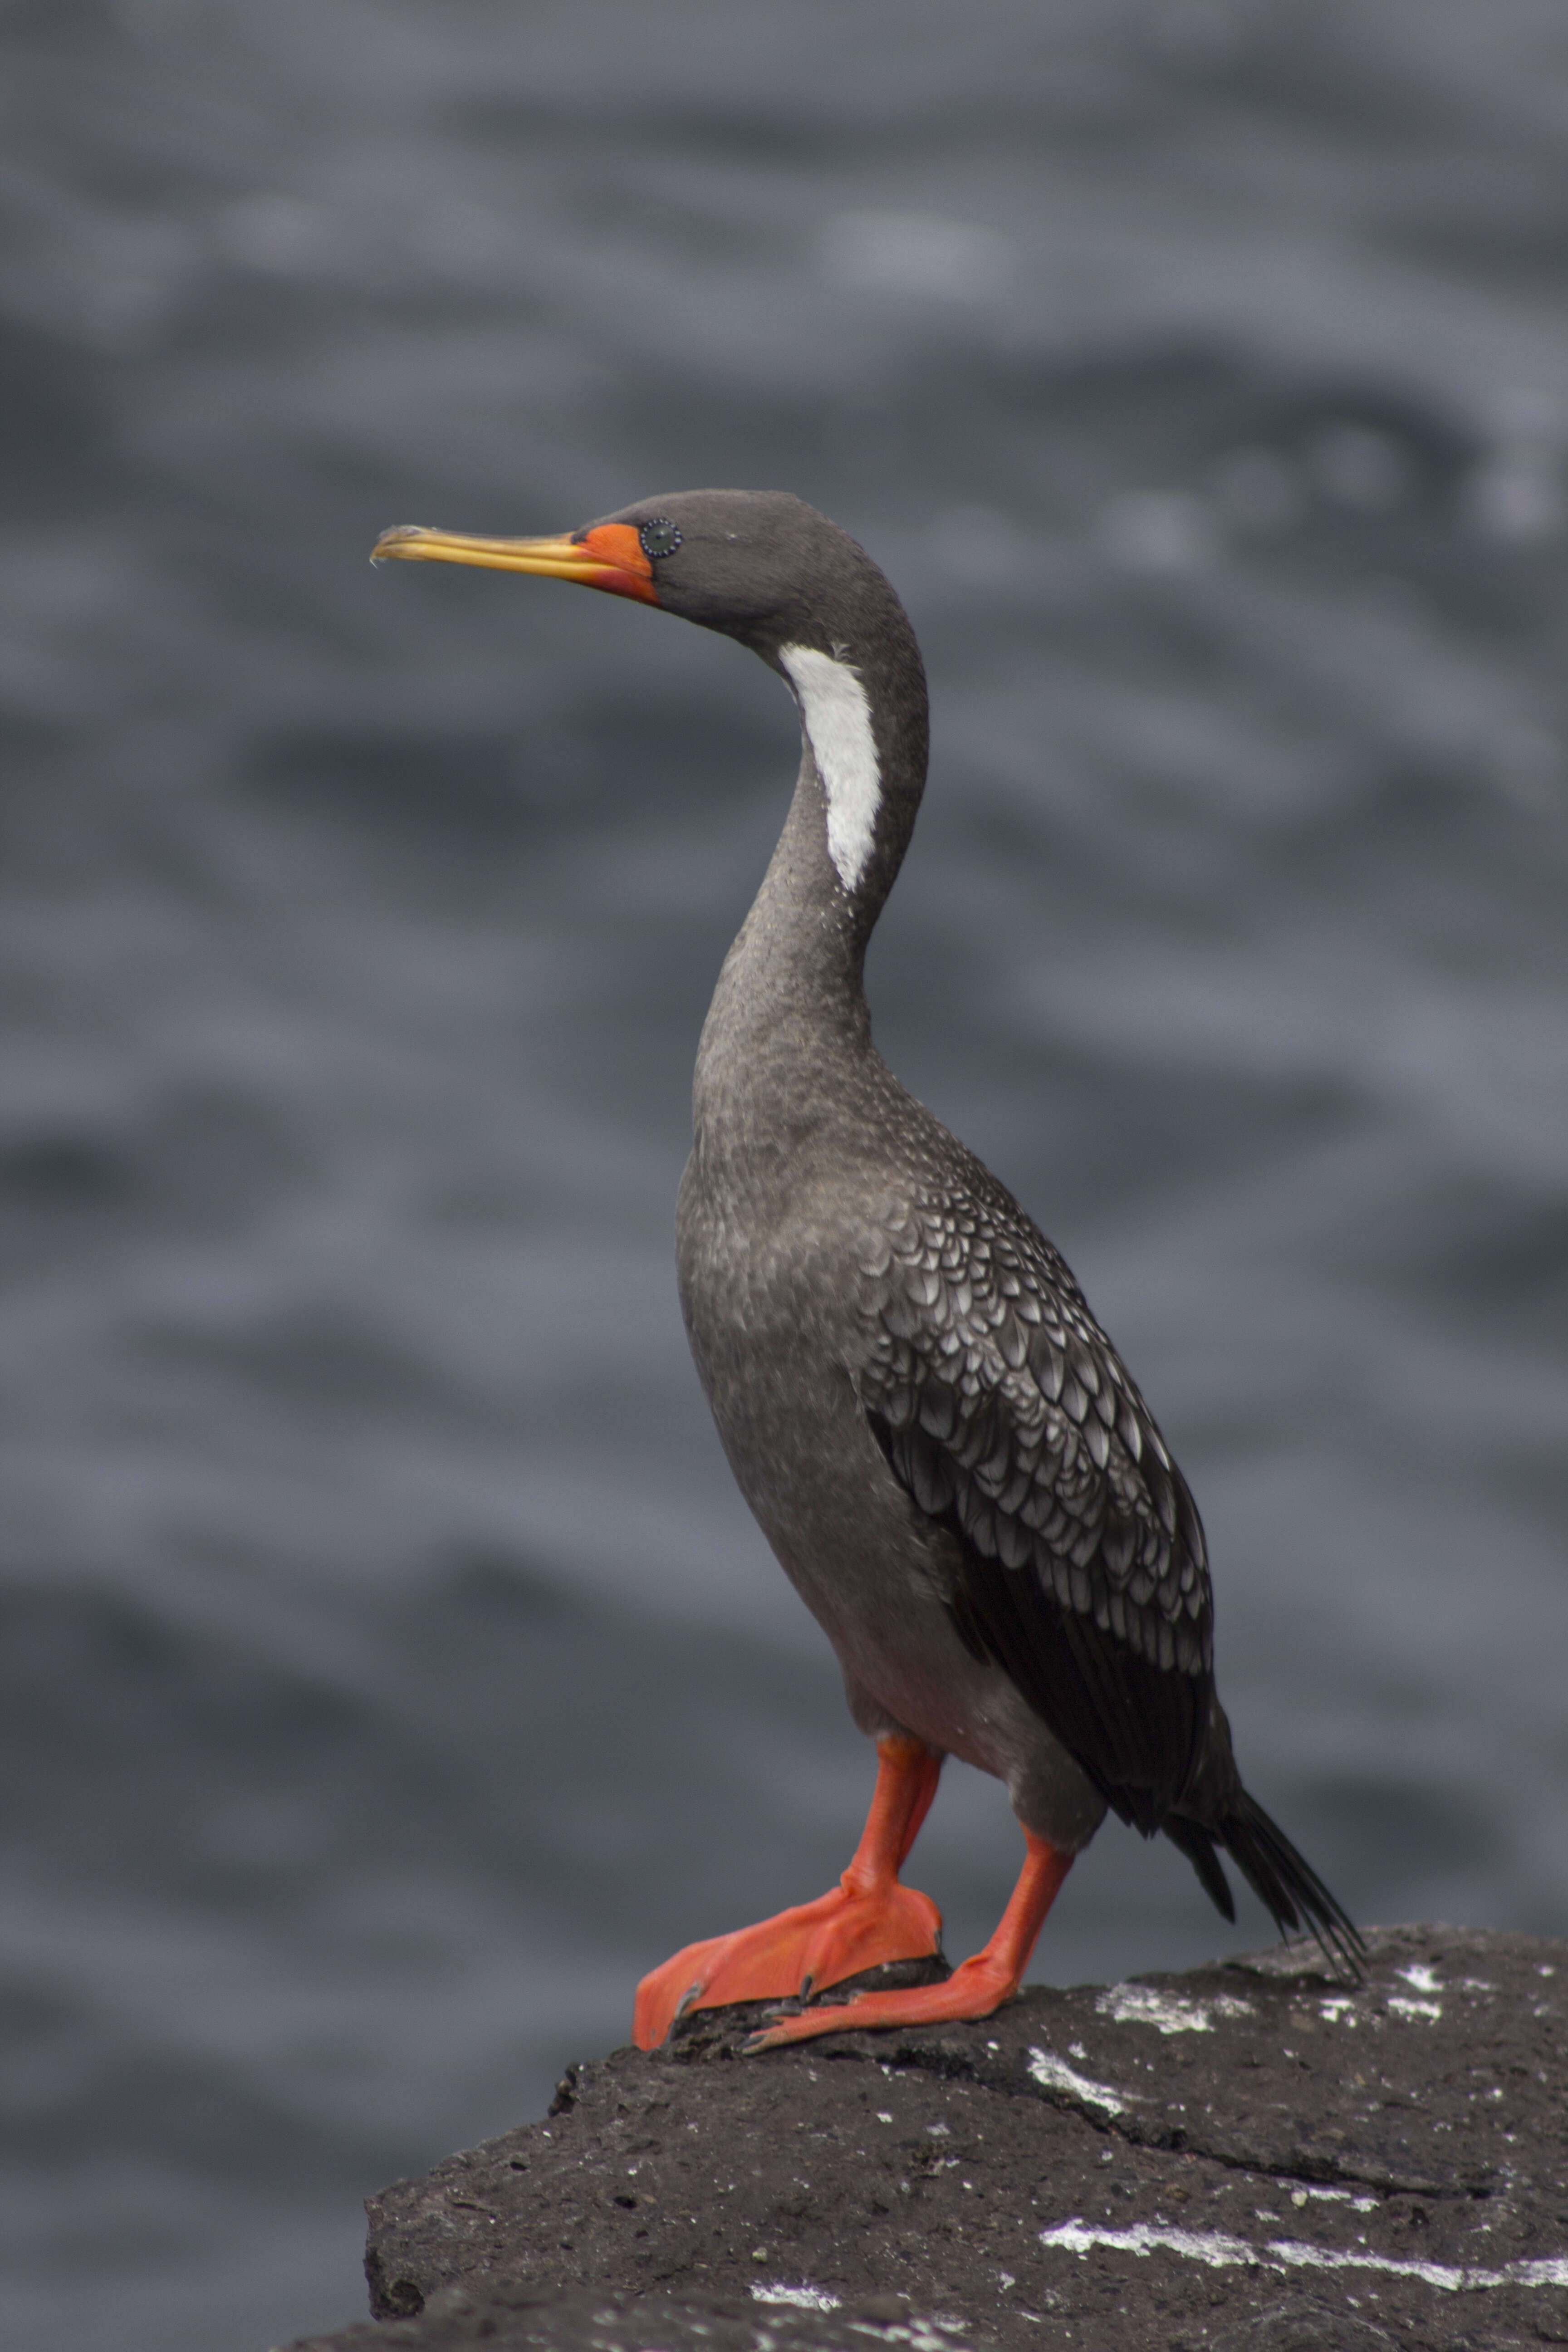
(1003, 1409)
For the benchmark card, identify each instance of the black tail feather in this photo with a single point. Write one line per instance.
(1289, 1888)
(1198, 1845)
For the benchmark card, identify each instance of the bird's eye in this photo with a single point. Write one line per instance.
(658, 538)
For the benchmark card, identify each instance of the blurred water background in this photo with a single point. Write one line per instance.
(390, 1674)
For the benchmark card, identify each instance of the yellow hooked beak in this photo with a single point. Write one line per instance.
(610, 556)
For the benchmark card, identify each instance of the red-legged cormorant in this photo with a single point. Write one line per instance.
(941, 1445)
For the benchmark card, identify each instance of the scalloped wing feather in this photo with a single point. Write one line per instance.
(1005, 1413)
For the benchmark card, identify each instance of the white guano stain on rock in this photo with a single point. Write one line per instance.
(1168, 2012)
(1056, 2075)
(1219, 2251)
(803, 2299)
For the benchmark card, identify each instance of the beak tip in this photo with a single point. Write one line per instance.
(392, 541)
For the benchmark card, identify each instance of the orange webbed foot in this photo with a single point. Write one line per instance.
(975, 1990)
(801, 1950)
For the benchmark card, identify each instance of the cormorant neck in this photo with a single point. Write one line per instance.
(789, 1012)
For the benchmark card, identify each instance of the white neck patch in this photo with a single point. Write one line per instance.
(836, 718)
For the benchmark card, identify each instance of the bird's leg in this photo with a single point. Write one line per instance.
(864, 1922)
(973, 1989)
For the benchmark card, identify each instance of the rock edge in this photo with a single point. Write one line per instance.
(1248, 2158)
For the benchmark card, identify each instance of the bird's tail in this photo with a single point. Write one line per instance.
(1289, 1888)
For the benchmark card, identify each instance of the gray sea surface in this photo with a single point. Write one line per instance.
(390, 1672)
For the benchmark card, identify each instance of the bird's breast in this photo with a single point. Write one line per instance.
(771, 1293)
(766, 1289)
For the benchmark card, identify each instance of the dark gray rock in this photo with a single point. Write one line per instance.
(1251, 2158)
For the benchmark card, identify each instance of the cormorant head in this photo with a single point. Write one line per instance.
(758, 565)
